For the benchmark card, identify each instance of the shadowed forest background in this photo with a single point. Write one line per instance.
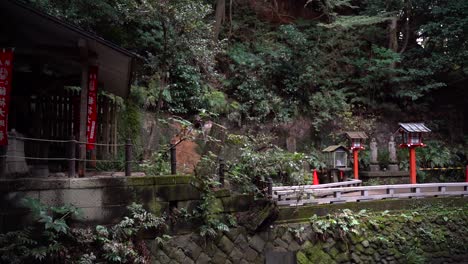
(306, 69)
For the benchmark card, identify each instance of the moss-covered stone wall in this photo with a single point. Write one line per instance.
(432, 233)
(424, 235)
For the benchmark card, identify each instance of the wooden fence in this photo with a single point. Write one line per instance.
(56, 117)
(369, 193)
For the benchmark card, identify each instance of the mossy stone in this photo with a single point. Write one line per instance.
(342, 257)
(157, 207)
(355, 239)
(216, 206)
(302, 258)
(333, 252)
(137, 181)
(359, 247)
(315, 254)
(369, 251)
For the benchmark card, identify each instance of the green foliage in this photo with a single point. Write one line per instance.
(334, 69)
(51, 237)
(158, 164)
(340, 225)
(260, 159)
(41, 241)
(438, 155)
(210, 210)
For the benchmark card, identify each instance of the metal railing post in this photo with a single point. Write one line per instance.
(173, 159)
(72, 157)
(270, 188)
(221, 171)
(128, 158)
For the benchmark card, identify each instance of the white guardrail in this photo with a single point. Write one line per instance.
(319, 195)
(292, 192)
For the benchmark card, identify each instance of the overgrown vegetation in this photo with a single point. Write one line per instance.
(411, 236)
(259, 159)
(374, 57)
(51, 238)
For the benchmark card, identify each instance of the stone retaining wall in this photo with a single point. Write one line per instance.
(403, 237)
(103, 200)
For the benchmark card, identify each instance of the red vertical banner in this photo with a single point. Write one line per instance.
(92, 107)
(6, 72)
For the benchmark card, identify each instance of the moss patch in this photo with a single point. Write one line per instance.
(313, 254)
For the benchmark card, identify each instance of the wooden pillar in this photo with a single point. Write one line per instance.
(82, 44)
(412, 161)
(356, 164)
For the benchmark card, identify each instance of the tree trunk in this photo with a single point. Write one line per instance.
(392, 34)
(219, 16)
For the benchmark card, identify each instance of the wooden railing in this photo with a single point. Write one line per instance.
(293, 192)
(368, 193)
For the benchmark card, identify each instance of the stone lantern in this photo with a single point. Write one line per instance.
(411, 138)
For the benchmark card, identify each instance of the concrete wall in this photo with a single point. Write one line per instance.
(103, 200)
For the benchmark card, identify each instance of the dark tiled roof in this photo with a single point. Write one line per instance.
(353, 135)
(333, 148)
(414, 127)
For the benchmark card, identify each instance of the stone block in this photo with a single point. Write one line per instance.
(84, 197)
(77, 197)
(179, 192)
(280, 243)
(193, 250)
(161, 257)
(293, 246)
(52, 197)
(101, 215)
(276, 257)
(117, 196)
(236, 255)
(257, 243)
(222, 193)
(179, 255)
(29, 184)
(140, 181)
(225, 245)
(393, 167)
(97, 182)
(241, 241)
(365, 243)
(219, 258)
(250, 254)
(203, 259)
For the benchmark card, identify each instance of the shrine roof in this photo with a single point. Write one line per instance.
(414, 127)
(37, 35)
(334, 148)
(356, 135)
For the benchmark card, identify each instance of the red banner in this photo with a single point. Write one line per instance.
(6, 71)
(92, 107)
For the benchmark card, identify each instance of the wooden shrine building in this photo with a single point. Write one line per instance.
(50, 82)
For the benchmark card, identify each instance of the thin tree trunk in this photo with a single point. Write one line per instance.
(393, 34)
(219, 16)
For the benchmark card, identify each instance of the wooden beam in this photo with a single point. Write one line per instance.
(83, 46)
